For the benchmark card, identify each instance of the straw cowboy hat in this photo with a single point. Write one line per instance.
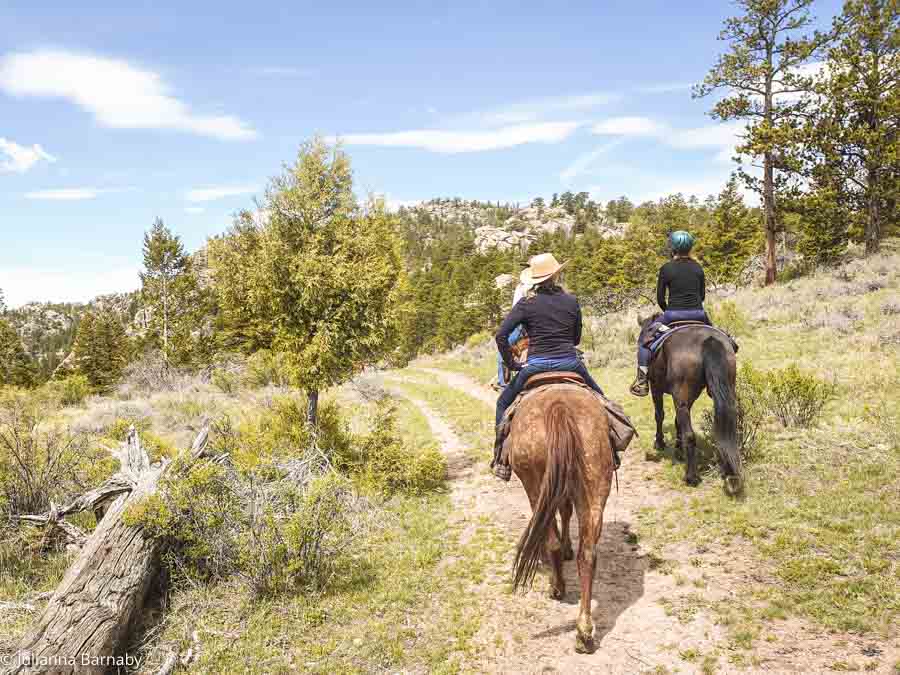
(544, 266)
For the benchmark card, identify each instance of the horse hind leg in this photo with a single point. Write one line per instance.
(687, 441)
(660, 414)
(552, 546)
(555, 556)
(589, 531)
(565, 515)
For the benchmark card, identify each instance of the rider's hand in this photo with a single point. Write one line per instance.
(517, 365)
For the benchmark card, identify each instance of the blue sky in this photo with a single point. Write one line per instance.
(114, 113)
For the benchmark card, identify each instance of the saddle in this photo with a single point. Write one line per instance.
(621, 429)
(554, 377)
(654, 339)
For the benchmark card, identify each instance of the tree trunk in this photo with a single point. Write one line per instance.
(85, 625)
(165, 320)
(312, 407)
(771, 227)
(873, 224)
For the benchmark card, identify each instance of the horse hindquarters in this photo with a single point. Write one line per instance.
(720, 384)
(562, 481)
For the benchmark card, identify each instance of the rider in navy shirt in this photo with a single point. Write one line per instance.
(552, 319)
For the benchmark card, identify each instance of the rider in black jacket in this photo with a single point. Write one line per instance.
(680, 292)
(552, 319)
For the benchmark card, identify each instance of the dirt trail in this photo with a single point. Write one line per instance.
(651, 613)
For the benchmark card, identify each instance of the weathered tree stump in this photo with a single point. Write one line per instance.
(85, 626)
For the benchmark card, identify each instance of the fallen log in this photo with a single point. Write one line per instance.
(85, 625)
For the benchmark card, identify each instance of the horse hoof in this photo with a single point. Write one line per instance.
(693, 481)
(659, 446)
(568, 553)
(733, 485)
(584, 644)
(557, 593)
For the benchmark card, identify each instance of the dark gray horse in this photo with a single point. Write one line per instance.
(691, 360)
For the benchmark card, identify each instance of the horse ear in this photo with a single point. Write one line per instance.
(640, 320)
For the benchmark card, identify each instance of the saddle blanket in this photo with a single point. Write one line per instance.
(663, 332)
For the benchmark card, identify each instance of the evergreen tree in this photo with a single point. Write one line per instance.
(172, 294)
(320, 280)
(16, 367)
(762, 77)
(101, 348)
(854, 131)
(824, 219)
(731, 237)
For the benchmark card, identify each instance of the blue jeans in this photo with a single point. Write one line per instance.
(539, 365)
(667, 317)
(514, 337)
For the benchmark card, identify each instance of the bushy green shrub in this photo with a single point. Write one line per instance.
(263, 444)
(796, 398)
(267, 368)
(301, 550)
(72, 390)
(227, 381)
(200, 514)
(729, 317)
(385, 462)
(752, 410)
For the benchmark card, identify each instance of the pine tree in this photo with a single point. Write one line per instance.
(320, 280)
(762, 77)
(101, 348)
(171, 292)
(731, 237)
(16, 367)
(854, 132)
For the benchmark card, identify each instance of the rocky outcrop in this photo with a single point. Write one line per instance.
(487, 238)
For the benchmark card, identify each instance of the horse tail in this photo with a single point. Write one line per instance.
(563, 480)
(725, 410)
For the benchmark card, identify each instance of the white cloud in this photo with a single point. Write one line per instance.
(78, 283)
(450, 141)
(20, 158)
(64, 194)
(118, 94)
(722, 137)
(210, 194)
(194, 210)
(536, 109)
(663, 87)
(629, 126)
(709, 136)
(582, 162)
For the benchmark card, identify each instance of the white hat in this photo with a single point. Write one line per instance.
(544, 266)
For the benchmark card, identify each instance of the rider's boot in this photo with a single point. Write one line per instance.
(641, 386)
(501, 469)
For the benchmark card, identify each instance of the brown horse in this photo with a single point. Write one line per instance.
(559, 448)
(690, 361)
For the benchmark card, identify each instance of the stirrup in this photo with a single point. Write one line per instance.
(502, 471)
(640, 387)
